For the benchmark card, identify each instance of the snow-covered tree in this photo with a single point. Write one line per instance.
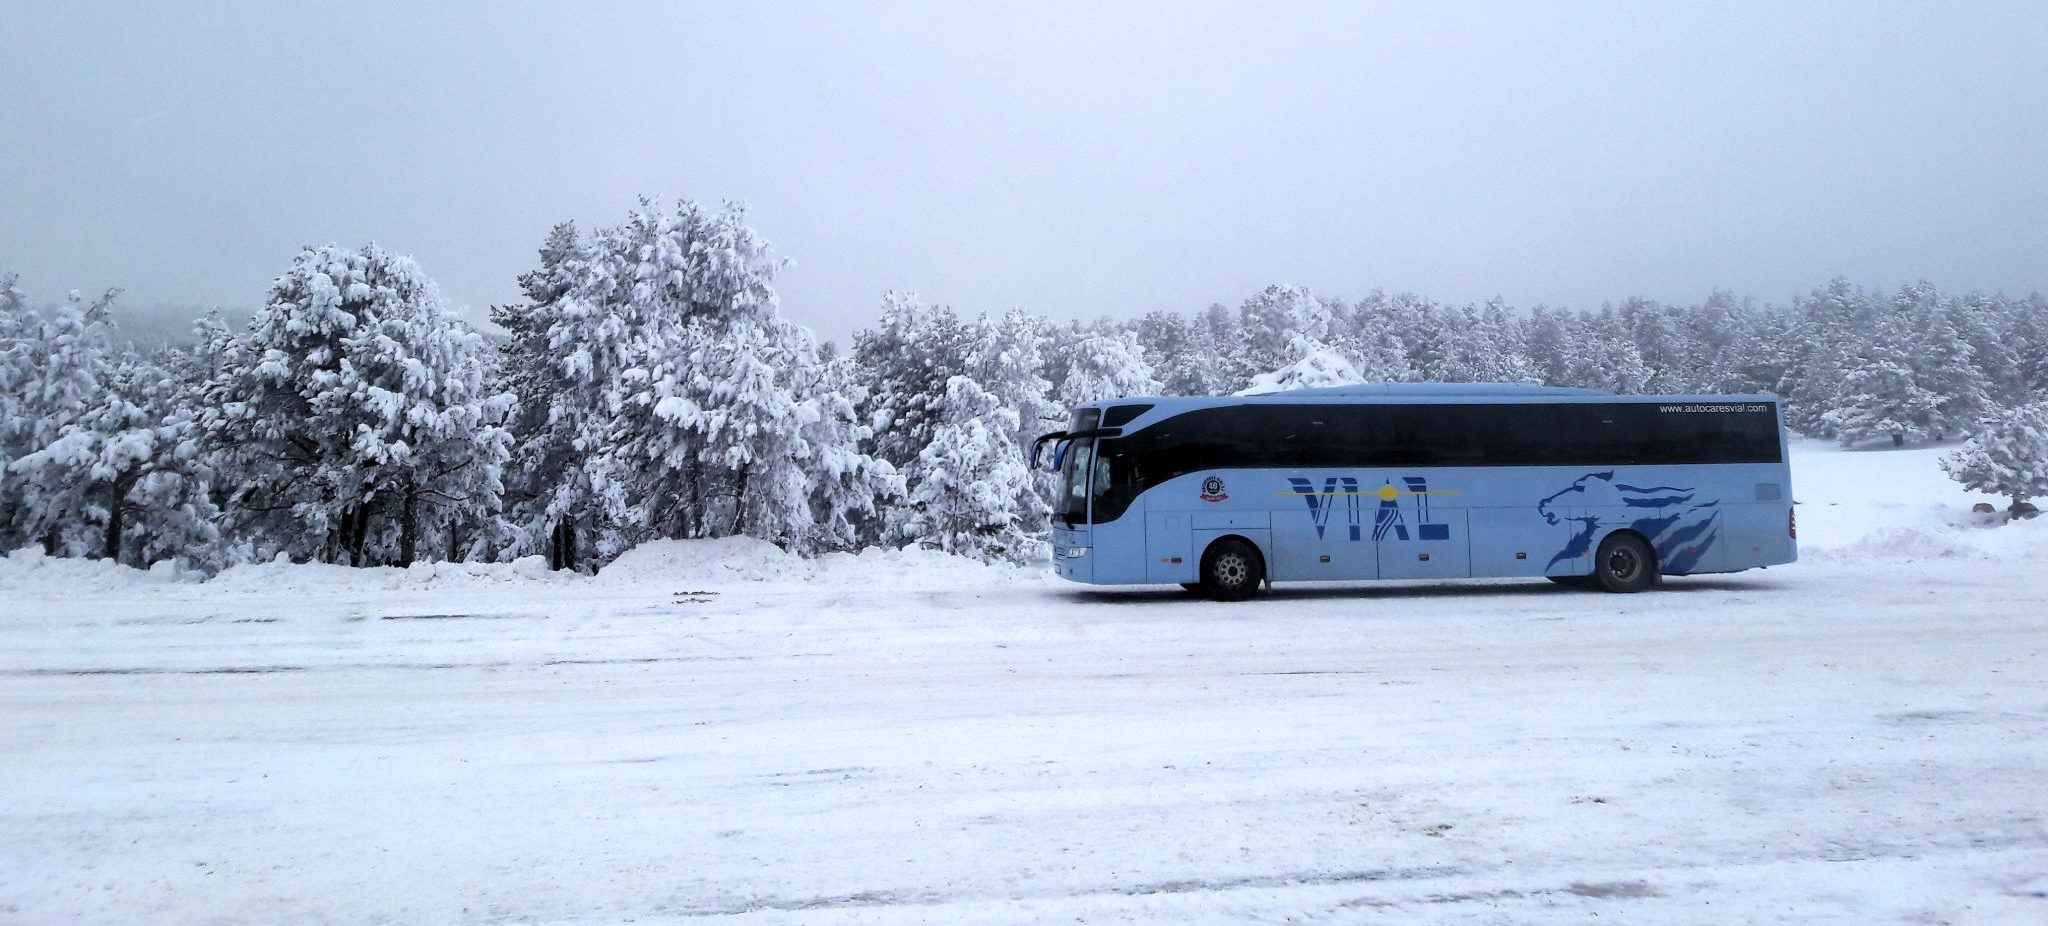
(907, 360)
(678, 403)
(95, 442)
(847, 487)
(1275, 319)
(1744, 349)
(1319, 365)
(355, 415)
(2027, 329)
(1184, 353)
(1372, 341)
(1601, 355)
(2008, 456)
(1943, 363)
(1994, 334)
(18, 370)
(125, 481)
(1479, 344)
(1667, 352)
(55, 367)
(966, 482)
(1006, 358)
(1832, 322)
(1880, 398)
(530, 372)
(1106, 367)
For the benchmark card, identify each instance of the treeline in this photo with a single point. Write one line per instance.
(649, 388)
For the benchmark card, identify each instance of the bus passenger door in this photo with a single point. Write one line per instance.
(1438, 548)
(1167, 557)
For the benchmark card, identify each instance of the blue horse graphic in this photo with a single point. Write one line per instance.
(1679, 527)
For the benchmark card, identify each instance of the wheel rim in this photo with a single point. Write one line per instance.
(1232, 570)
(1623, 563)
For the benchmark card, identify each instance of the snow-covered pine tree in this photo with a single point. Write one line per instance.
(354, 414)
(2027, 329)
(1880, 399)
(1735, 353)
(678, 403)
(1832, 322)
(1274, 319)
(56, 367)
(1223, 331)
(1549, 335)
(1988, 325)
(526, 356)
(2008, 456)
(906, 360)
(1007, 359)
(716, 451)
(1183, 352)
(1667, 351)
(847, 486)
(1371, 340)
(1943, 363)
(1600, 354)
(125, 481)
(966, 481)
(1317, 365)
(545, 480)
(1106, 367)
(1479, 344)
(687, 395)
(17, 370)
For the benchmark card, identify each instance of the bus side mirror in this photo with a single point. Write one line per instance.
(1059, 450)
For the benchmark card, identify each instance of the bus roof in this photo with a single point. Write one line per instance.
(1435, 390)
(1369, 391)
(1400, 393)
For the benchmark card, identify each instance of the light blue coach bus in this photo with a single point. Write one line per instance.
(1419, 481)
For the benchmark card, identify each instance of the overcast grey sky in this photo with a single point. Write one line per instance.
(1082, 159)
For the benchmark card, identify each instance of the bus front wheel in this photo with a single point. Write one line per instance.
(1232, 570)
(1624, 563)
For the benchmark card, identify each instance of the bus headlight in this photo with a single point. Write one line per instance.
(1075, 552)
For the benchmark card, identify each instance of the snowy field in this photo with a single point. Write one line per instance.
(715, 732)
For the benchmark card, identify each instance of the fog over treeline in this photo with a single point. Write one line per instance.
(648, 385)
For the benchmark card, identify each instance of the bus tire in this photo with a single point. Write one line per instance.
(1624, 563)
(1232, 570)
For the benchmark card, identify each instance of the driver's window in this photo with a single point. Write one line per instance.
(1101, 476)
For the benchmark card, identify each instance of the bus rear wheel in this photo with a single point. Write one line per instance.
(1232, 570)
(1624, 563)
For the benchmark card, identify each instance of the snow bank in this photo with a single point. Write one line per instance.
(282, 574)
(914, 567)
(28, 568)
(706, 563)
(674, 564)
(730, 561)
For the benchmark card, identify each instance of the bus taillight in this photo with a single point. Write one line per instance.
(1792, 524)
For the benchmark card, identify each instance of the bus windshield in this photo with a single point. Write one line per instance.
(1072, 505)
(1075, 467)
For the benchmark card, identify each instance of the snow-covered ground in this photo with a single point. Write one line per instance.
(715, 730)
